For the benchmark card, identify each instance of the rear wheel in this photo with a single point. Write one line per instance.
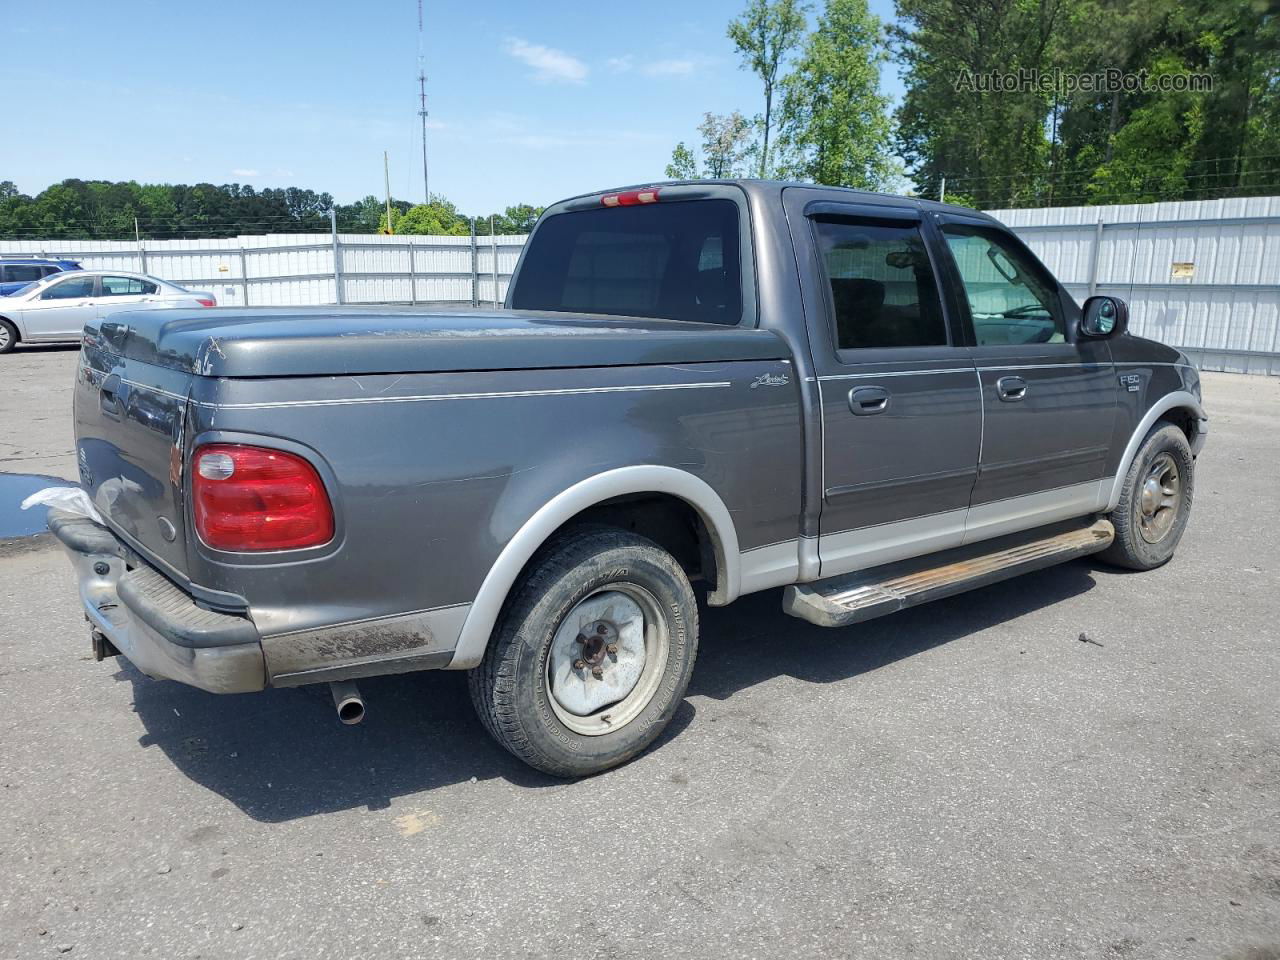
(1155, 502)
(591, 656)
(8, 336)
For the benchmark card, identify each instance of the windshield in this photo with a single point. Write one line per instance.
(676, 261)
(40, 284)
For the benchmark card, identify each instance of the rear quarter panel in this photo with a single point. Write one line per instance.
(432, 475)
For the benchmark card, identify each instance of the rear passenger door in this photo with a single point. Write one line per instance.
(901, 413)
(1049, 396)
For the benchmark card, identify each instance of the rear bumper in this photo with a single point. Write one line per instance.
(157, 626)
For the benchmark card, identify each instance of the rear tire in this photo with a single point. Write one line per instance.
(598, 599)
(1155, 502)
(8, 336)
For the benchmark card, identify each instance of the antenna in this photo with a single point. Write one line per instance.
(422, 110)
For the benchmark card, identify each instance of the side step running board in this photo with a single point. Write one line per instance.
(866, 594)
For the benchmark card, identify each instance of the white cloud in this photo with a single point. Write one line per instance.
(621, 64)
(245, 172)
(669, 68)
(549, 66)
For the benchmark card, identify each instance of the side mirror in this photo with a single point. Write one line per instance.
(1104, 317)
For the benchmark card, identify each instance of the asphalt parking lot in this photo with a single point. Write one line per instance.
(967, 779)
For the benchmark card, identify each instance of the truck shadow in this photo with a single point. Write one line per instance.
(767, 643)
(281, 755)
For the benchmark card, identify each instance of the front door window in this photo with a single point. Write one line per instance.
(1010, 302)
(73, 288)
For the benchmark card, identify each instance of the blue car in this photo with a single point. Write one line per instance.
(17, 272)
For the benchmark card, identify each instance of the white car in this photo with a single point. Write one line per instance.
(56, 308)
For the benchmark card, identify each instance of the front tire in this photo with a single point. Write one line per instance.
(8, 336)
(1155, 502)
(592, 654)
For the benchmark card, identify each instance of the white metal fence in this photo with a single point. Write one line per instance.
(1200, 275)
(300, 269)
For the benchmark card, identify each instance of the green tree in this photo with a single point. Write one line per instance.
(990, 143)
(683, 165)
(439, 217)
(725, 144)
(363, 216)
(764, 34)
(835, 128)
(519, 219)
(1141, 145)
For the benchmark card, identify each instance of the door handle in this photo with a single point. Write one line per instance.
(107, 398)
(1011, 389)
(866, 401)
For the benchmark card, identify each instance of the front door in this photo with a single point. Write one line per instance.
(1049, 396)
(901, 412)
(61, 310)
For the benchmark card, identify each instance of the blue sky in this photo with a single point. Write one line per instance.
(528, 102)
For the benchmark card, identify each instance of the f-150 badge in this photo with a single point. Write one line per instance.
(1131, 382)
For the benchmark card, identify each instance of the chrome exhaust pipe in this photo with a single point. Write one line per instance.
(347, 700)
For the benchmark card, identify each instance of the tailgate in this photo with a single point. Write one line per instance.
(130, 420)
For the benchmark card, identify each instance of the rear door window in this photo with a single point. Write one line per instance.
(881, 285)
(126, 287)
(23, 273)
(674, 260)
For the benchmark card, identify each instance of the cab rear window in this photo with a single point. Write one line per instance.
(676, 261)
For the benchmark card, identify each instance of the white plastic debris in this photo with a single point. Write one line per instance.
(67, 499)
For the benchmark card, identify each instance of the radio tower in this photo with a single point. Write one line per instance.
(422, 110)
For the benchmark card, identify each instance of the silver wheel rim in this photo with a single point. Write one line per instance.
(1159, 499)
(4, 336)
(607, 659)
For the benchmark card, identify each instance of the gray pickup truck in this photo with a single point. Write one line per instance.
(716, 386)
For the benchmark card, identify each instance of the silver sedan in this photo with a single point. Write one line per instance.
(56, 308)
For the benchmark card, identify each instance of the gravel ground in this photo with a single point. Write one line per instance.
(967, 779)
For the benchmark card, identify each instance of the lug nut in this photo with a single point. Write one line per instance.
(579, 664)
(597, 672)
(602, 629)
(579, 639)
(612, 648)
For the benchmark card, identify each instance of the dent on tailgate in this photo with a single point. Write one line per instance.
(130, 418)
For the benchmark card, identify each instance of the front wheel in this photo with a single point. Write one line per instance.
(591, 656)
(1155, 502)
(8, 336)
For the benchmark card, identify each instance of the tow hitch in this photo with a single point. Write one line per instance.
(102, 647)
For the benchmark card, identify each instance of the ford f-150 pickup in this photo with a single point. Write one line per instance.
(723, 386)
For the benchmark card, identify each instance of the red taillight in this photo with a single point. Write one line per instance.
(206, 301)
(630, 198)
(254, 498)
